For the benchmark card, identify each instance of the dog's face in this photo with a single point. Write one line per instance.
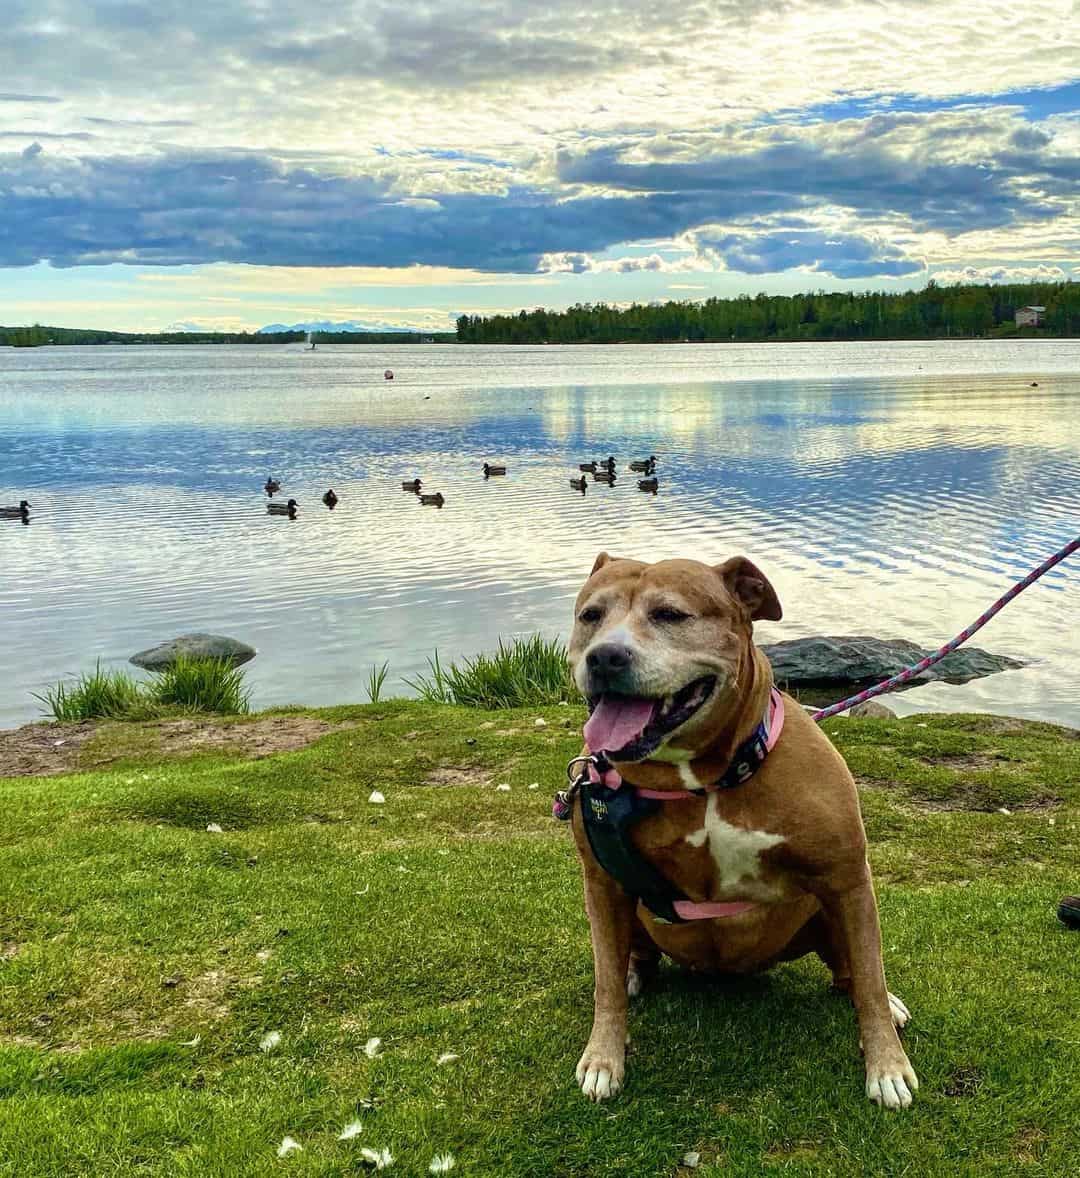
(656, 650)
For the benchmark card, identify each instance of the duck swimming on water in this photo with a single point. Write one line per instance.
(490, 470)
(282, 508)
(435, 500)
(19, 512)
(579, 484)
(605, 476)
(650, 485)
(272, 486)
(413, 485)
(330, 499)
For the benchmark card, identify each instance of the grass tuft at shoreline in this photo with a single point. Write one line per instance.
(187, 686)
(145, 958)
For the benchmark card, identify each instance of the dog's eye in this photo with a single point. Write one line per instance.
(591, 615)
(668, 614)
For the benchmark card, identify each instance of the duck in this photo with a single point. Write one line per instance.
(605, 476)
(490, 470)
(413, 485)
(648, 485)
(644, 465)
(579, 484)
(19, 512)
(282, 508)
(272, 486)
(330, 499)
(587, 467)
(609, 464)
(435, 500)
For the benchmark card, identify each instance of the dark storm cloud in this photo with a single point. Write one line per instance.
(844, 255)
(187, 207)
(932, 192)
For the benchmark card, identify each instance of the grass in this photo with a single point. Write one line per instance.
(526, 672)
(143, 958)
(201, 685)
(95, 695)
(376, 679)
(187, 686)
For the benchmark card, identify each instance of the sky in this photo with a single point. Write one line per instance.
(228, 165)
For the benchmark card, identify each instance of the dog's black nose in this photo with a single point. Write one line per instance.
(610, 659)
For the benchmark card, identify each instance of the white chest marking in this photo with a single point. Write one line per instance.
(735, 851)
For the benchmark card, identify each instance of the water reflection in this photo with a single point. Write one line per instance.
(880, 499)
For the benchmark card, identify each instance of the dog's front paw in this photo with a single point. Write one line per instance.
(891, 1082)
(600, 1071)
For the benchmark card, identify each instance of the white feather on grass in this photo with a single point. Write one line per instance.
(441, 1163)
(213, 828)
(381, 1159)
(270, 1040)
(351, 1130)
(288, 1145)
(373, 1048)
(446, 1057)
(376, 798)
(504, 788)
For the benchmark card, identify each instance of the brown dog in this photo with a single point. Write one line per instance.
(665, 655)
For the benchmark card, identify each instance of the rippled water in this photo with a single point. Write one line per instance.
(892, 489)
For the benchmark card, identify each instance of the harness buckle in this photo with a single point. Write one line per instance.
(562, 807)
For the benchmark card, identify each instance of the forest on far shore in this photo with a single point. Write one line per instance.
(934, 312)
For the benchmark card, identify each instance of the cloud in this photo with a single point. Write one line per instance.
(950, 172)
(983, 274)
(177, 208)
(48, 98)
(849, 255)
(564, 262)
(505, 137)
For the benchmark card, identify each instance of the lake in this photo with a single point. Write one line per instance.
(892, 489)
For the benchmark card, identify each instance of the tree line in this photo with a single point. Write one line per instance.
(931, 313)
(39, 336)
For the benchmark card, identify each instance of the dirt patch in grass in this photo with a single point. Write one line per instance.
(452, 775)
(38, 750)
(42, 750)
(974, 799)
(964, 1080)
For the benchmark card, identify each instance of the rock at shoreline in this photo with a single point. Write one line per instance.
(194, 646)
(871, 708)
(862, 661)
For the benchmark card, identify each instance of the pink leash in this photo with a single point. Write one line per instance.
(918, 668)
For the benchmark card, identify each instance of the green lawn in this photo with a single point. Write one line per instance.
(143, 958)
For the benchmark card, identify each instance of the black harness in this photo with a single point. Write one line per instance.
(609, 815)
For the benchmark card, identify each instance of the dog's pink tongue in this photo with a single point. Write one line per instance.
(615, 722)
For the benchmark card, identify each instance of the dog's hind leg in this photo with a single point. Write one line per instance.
(644, 959)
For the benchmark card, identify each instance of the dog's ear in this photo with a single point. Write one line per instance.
(601, 560)
(749, 585)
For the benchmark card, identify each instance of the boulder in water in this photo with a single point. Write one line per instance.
(194, 646)
(860, 661)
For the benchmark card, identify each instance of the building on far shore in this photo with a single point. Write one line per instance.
(1030, 316)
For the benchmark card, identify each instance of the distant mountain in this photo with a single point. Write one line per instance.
(347, 325)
